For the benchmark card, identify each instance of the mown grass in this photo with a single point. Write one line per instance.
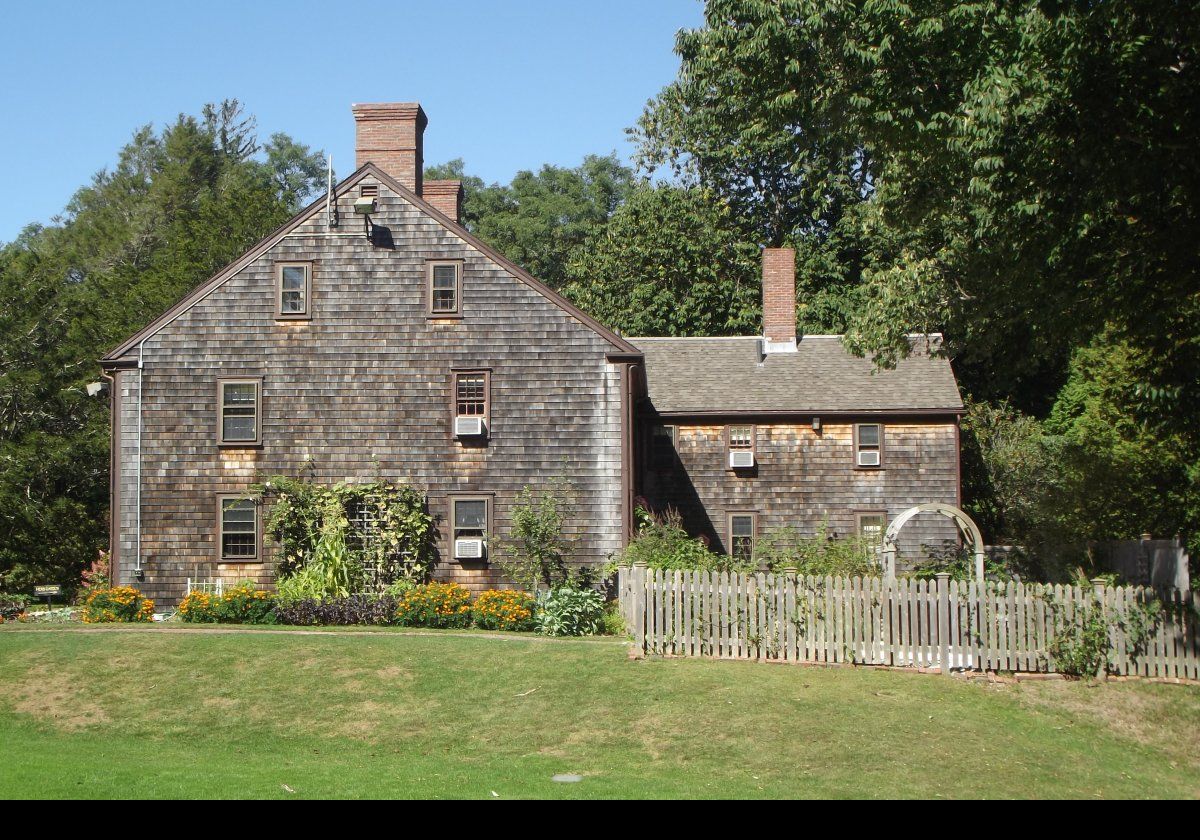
(284, 715)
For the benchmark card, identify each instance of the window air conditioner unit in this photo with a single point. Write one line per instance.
(471, 549)
(868, 458)
(469, 427)
(740, 459)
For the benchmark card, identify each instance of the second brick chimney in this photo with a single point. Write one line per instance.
(391, 136)
(779, 298)
(446, 196)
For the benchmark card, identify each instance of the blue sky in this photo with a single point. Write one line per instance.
(507, 85)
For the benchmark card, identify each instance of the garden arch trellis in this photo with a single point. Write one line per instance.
(965, 524)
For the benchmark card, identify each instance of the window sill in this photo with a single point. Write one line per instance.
(241, 561)
(239, 445)
(858, 468)
(448, 316)
(292, 318)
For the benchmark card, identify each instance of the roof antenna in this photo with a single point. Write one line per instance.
(331, 213)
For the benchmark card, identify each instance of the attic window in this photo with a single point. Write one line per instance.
(444, 279)
(742, 452)
(293, 291)
(368, 190)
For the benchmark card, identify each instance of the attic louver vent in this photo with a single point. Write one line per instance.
(368, 190)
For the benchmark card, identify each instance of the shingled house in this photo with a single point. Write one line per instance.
(348, 344)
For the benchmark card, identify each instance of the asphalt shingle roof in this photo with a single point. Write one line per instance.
(707, 375)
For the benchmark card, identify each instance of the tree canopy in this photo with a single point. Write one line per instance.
(179, 204)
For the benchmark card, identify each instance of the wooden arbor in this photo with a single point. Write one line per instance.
(965, 524)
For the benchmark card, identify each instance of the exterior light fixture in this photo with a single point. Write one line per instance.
(364, 207)
(816, 424)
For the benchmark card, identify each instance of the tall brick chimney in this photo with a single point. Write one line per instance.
(390, 135)
(779, 297)
(446, 196)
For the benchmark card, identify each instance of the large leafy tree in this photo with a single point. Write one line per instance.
(177, 206)
(1020, 175)
(671, 261)
(541, 217)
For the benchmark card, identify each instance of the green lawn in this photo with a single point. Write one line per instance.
(159, 713)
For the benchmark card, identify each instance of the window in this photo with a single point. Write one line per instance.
(237, 527)
(471, 524)
(471, 394)
(868, 445)
(870, 525)
(238, 423)
(662, 447)
(294, 290)
(741, 443)
(445, 289)
(742, 531)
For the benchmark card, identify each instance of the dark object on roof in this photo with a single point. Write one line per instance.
(708, 376)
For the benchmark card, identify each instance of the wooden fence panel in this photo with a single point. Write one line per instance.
(1007, 626)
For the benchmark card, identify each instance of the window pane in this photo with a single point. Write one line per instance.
(238, 428)
(868, 435)
(239, 393)
(740, 437)
(470, 513)
(294, 277)
(444, 294)
(238, 528)
(444, 276)
(292, 302)
(743, 526)
(470, 394)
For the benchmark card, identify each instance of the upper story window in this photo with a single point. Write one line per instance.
(294, 290)
(741, 445)
(239, 409)
(662, 447)
(237, 529)
(444, 278)
(743, 529)
(472, 402)
(471, 518)
(868, 445)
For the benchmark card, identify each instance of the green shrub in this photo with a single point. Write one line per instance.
(435, 605)
(819, 555)
(12, 607)
(662, 543)
(614, 622)
(570, 612)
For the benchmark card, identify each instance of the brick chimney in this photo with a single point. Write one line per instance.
(390, 135)
(446, 196)
(779, 298)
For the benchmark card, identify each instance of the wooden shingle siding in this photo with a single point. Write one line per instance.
(363, 389)
(803, 477)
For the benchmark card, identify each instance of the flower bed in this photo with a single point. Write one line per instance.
(117, 604)
(504, 609)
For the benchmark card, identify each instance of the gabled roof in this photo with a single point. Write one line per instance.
(204, 289)
(712, 376)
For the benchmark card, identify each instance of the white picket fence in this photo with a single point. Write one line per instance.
(997, 626)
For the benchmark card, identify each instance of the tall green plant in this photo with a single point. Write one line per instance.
(537, 549)
(820, 554)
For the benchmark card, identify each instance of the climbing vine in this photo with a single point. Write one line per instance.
(347, 537)
(1082, 645)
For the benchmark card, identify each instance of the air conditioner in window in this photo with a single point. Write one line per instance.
(740, 459)
(469, 427)
(471, 549)
(868, 458)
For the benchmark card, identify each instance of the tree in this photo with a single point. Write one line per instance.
(670, 262)
(177, 206)
(539, 219)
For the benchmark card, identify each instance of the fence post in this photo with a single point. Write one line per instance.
(1098, 590)
(943, 620)
(638, 582)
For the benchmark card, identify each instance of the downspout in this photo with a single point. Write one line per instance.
(138, 573)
